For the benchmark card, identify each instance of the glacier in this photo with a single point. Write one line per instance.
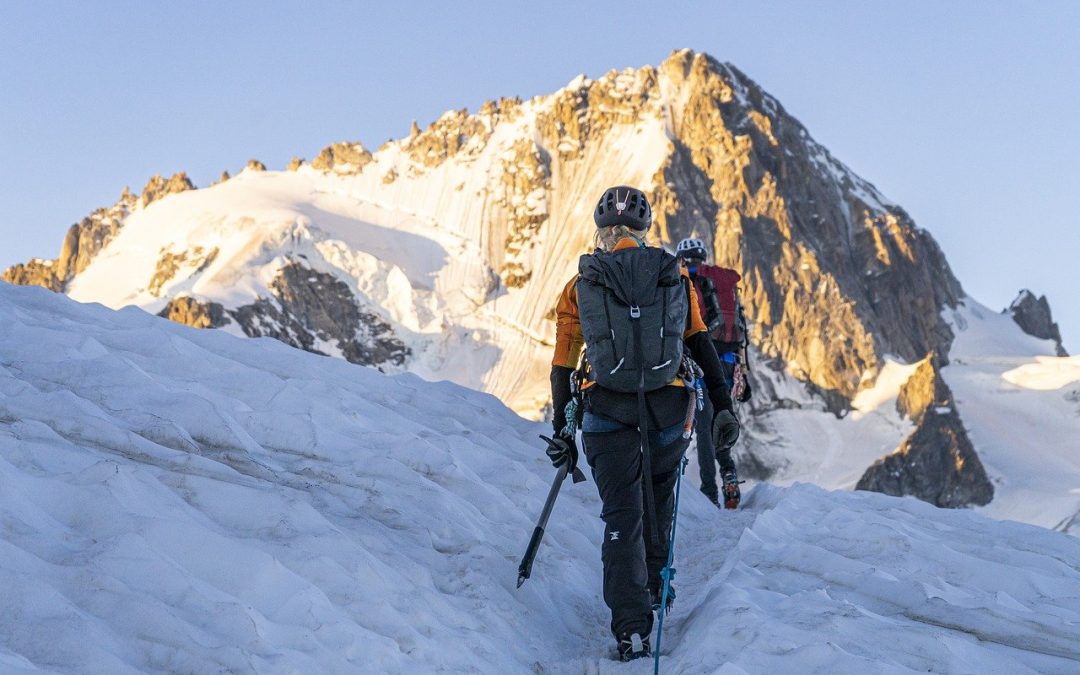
(188, 501)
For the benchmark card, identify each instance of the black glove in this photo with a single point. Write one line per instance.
(725, 430)
(560, 396)
(561, 450)
(746, 393)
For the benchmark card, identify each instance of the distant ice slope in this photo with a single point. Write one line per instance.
(182, 500)
(1021, 406)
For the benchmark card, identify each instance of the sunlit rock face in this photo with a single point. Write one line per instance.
(834, 274)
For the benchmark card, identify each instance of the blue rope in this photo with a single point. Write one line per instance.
(668, 573)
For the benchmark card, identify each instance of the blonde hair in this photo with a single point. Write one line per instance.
(607, 237)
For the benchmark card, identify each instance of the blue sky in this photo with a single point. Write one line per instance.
(966, 113)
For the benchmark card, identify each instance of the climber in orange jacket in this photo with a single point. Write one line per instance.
(635, 313)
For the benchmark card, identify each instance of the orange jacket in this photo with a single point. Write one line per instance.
(569, 340)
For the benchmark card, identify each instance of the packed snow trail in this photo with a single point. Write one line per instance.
(183, 500)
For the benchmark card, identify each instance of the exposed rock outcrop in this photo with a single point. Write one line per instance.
(294, 164)
(312, 309)
(195, 259)
(937, 462)
(157, 187)
(457, 133)
(255, 165)
(342, 157)
(522, 192)
(1033, 316)
(263, 318)
(36, 272)
(923, 391)
(195, 313)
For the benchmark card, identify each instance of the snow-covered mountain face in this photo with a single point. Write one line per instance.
(443, 254)
(185, 501)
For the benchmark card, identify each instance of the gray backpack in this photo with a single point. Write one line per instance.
(632, 305)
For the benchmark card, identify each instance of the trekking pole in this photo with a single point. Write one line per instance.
(570, 430)
(668, 573)
(525, 568)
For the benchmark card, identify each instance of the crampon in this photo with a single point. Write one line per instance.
(730, 490)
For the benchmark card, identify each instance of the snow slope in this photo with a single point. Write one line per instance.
(183, 500)
(1021, 406)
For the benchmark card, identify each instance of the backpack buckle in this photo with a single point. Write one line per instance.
(635, 312)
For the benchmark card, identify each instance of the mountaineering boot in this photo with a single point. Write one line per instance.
(633, 646)
(656, 594)
(732, 495)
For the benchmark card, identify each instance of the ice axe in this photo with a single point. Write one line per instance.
(525, 568)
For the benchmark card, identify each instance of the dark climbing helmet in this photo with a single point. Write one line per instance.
(623, 205)
(690, 249)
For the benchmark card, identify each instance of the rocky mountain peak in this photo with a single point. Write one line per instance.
(1033, 316)
(835, 274)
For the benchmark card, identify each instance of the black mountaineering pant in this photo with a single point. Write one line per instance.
(708, 456)
(632, 563)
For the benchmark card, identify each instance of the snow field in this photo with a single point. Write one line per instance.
(183, 500)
